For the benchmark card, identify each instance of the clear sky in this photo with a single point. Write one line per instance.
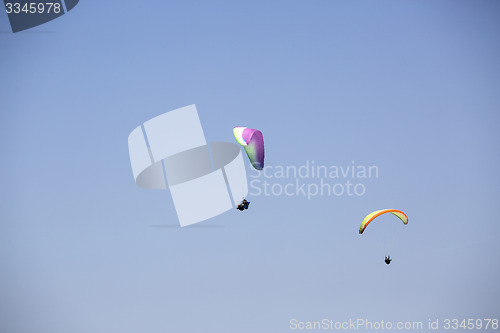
(411, 87)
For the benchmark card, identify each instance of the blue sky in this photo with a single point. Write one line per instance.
(411, 87)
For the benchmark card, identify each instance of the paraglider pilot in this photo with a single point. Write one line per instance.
(243, 205)
(388, 260)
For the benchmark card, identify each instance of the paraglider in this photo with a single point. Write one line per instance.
(253, 142)
(243, 205)
(370, 217)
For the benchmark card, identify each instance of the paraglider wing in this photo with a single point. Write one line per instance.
(402, 216)
(253, 142)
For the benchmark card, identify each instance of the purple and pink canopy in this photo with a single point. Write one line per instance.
(253, 142)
